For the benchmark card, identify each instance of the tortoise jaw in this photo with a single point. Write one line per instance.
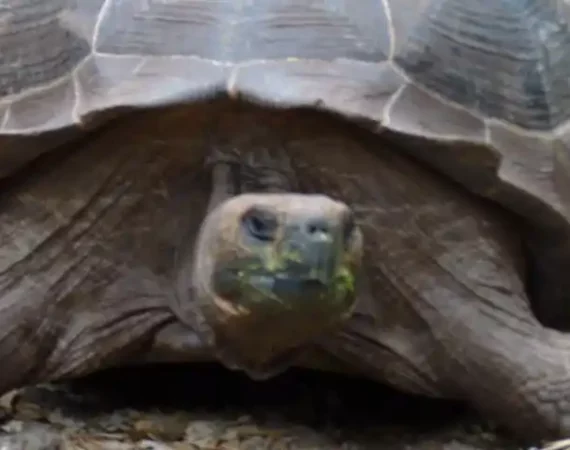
(264, 318)
(324, 286)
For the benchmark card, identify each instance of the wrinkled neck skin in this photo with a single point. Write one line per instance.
(232, 173)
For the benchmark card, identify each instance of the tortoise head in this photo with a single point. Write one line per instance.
(273, 272)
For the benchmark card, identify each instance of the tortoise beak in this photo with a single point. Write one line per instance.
(309, 261)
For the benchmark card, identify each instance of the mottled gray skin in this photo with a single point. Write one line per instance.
(105, 238)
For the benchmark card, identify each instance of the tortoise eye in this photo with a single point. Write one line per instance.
(260, 224)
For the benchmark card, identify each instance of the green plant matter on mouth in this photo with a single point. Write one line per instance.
(344, 282)
(256, 277)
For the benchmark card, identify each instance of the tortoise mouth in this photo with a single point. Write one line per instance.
(263, 320)
(329, 291)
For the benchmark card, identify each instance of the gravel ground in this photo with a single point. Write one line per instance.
(206, 408)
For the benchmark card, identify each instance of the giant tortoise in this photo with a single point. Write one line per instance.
(372, 187)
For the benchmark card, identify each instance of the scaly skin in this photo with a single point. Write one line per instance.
(91, 240)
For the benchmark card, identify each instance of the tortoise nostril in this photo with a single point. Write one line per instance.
(318, 227)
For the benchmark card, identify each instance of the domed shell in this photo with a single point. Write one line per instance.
(478, 90)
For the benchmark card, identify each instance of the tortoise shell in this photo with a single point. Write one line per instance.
(478, 90)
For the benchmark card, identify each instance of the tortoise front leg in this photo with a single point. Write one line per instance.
(504, 364)
(470, 336)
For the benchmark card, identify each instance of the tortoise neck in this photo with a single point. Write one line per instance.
(237, 172)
